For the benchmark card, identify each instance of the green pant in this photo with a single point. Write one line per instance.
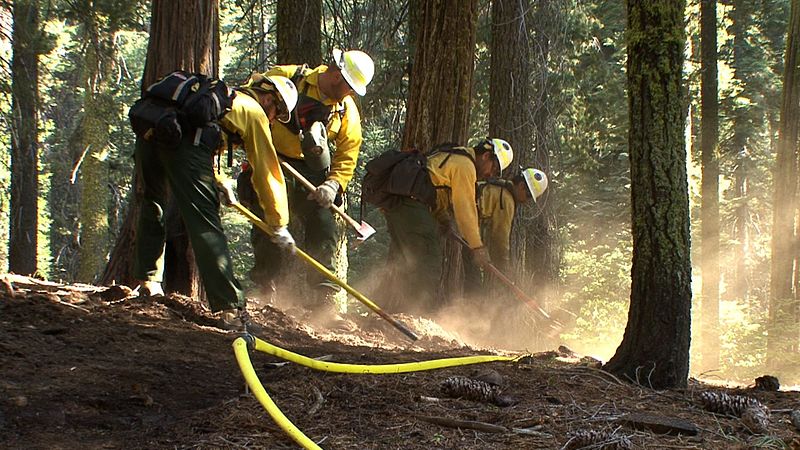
(414, 259)
(474, 284)
(187, 172)
(321, 233)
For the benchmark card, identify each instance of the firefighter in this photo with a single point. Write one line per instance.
(497, 201)
(326, 111)
(415, 252)
(187, 171)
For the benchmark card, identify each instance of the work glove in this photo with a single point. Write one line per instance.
(481, 257)
(325, 193)
(283, 239)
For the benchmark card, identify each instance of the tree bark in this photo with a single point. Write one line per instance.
(709, 188)
(24, 216)
(782, 329)
(542, 256)
(182, 35)
(95, 132)
(655, 348)
(440, 97)
(510, 79)
(299, 35)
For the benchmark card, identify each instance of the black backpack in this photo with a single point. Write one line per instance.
(182, 104)
(396, 174)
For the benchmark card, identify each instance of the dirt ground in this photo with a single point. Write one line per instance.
(85, 367)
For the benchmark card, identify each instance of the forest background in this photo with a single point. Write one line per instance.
(577, 54)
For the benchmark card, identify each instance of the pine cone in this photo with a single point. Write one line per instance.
(756, 419)
(767, 383)
(594, 439)
(469, 389)
(722, 403)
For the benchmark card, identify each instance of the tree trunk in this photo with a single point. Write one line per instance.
(782, 330)
(709, 188)
(440, 97)
(655, 348)
(24, 223)
(299, 35)
(299, 40)
(510, 79)
(745, 118)
(182, 35)
(538, 223)
(95, 131)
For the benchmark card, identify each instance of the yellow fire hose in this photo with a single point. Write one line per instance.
(240, 349)
(327, 366)
(250, 377)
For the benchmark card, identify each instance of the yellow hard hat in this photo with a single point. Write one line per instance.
(536, 181)
(503, 152)
(287, 91)
(357, 68)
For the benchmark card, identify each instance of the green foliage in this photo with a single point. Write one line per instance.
(244, 48)
(592, 167)
(597, 291)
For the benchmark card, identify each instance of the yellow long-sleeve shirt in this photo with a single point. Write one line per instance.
(455, 189)
(344, 128)
(247, 119)
(496, 209)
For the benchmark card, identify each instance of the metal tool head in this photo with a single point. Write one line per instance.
(364, 231)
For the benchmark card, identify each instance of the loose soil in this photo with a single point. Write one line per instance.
(87, 367)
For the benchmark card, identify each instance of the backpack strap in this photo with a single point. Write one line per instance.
(299, 74)
(502, 183)
(450, 149)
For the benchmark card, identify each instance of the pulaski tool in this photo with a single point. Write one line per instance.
(363, 229)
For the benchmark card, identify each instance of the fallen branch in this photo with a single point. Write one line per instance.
(72, 306)
(466, 424)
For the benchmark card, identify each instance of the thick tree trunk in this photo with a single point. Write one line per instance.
(510, 79)
(709, 189)
(782, 329)
(23, 222)
(182, 35)
(655, 348)
(440, 96)
(299, 35)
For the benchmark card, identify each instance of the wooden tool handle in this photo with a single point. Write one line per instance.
(308, 185)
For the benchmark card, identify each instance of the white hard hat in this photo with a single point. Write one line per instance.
(357, 68)
(288, 93)
(536, 181)
(503, 152)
